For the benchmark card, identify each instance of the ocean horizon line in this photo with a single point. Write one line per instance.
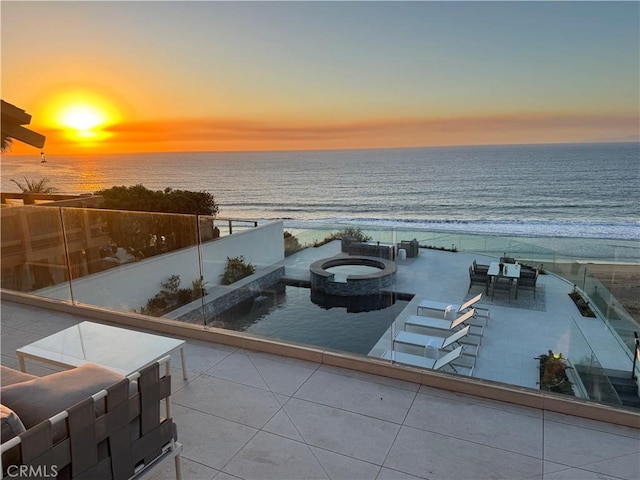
(312, 150)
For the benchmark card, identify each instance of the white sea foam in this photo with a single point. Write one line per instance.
(532, 228)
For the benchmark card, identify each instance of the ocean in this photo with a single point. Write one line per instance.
(583, 191)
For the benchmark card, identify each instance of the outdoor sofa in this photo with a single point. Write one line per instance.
(87, 423)
(352, 246)
(412, 247)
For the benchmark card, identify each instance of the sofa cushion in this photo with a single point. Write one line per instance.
(11, 423)
(9, 376)
(41, 398)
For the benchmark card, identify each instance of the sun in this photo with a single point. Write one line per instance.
(83, 116)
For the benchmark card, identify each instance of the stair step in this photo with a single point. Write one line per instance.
(630, 400)
(626, 388)
(616, 382)
(617, 373)
(630, 389)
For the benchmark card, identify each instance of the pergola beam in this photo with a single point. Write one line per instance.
(23, 135)
(12, 118)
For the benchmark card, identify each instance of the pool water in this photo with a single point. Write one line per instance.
(287, 313)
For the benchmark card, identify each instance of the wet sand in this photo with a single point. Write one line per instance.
(623, 281)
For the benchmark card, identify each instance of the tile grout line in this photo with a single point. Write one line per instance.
(384, 460)
(282, 409)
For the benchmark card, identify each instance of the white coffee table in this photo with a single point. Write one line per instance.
(118, 349)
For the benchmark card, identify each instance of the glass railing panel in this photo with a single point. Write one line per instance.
(489, 245)
(617, 317)
(238, 266)
(34, 254)
(223, 226)
(589, 379)
(493, 246)
(311, 236)
(384, 235)
(133, 261)
(601, 301)
(209, 229)
(125, 261)
(88, 241)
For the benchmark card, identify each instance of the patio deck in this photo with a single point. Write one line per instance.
(516, 333)
(251, 415)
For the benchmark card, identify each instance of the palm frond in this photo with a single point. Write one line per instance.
(35, 186)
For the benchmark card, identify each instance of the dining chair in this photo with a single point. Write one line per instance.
(479, 267)
(528, 279)
(479, 279)
(501, 283)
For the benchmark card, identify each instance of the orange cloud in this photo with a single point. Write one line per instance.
(234, 134)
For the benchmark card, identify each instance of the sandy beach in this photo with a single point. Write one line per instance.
(623, 281)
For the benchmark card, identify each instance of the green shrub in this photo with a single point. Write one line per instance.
(172, 296)
(236, 269)
(184, 296)
(155, 305)
(197, 286)
(291, 244)
(355, 233)
(172, 285)
(581, 303)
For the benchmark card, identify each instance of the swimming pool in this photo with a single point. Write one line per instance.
(287, 313)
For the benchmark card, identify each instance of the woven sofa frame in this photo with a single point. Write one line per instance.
(137, 438)
(411, 247)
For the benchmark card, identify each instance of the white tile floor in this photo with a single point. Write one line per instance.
(249, 415)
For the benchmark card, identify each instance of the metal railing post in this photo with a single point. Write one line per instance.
(635, 356)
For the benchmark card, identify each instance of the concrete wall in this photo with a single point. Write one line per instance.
(128, 287)
(263, 248)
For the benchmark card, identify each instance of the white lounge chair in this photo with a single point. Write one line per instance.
(424, 341)
(459, 309)
(429, 363)
(432, 342)
(433, 323)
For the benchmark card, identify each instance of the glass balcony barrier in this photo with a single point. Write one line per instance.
(588, 378)
(256, 277)
(599, 299)
(34, 253)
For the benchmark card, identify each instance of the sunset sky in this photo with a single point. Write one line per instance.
(110, 77)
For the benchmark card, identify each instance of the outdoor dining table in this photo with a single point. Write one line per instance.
(509, 270)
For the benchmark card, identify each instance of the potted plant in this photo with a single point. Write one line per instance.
(553, 375)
